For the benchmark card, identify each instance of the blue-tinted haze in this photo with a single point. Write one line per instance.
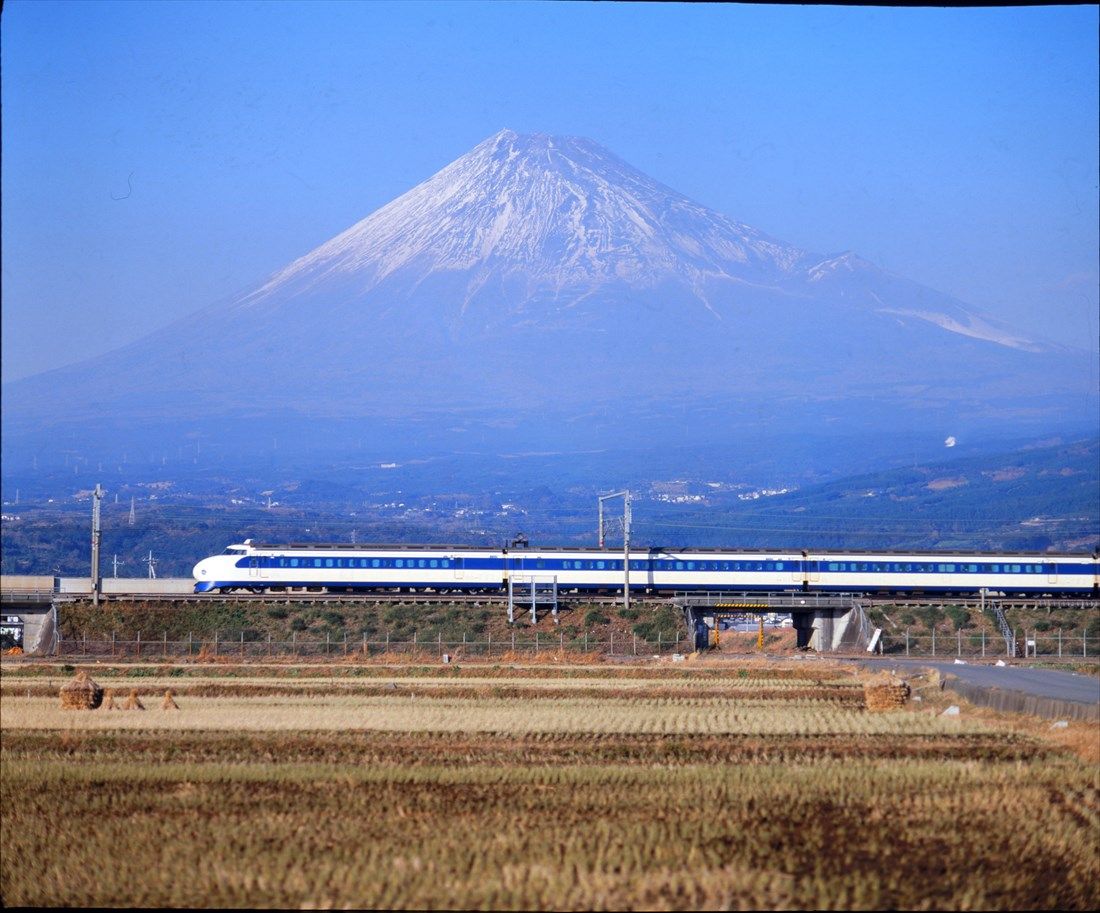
(158, 157)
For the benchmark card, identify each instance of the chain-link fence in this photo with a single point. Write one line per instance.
(229, 645)
(1020, 643)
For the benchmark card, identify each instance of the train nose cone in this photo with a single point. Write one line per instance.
(202, 574)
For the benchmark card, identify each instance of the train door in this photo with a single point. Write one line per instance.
(253, 567)
(1052, 573)
(459, 567)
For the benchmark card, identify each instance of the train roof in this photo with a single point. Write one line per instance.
(404, 546)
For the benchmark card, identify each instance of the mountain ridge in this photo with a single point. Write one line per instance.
(545, 272)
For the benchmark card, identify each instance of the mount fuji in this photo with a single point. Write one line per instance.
(543, 276)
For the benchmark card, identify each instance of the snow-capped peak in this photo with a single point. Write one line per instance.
(561, 210)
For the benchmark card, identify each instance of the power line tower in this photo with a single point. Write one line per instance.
(115, 563)
(97, 496)
(152, 562)
(133, 514)
(625, 495)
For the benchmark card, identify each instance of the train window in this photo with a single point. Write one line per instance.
(691, 565)
(600, 564)
(679, 565)
(433, 563)
(444, 562)
(973, 569)
(540, 565)
(833, 566)
(421, 563)
(995, 568)
(293, 562)
(375, 562)
(328, 562)
(400, 562)
(1015, 568)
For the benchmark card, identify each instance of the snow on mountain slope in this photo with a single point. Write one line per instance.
(538, 269)
(562, 211)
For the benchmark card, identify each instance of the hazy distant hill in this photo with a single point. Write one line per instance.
(543, 278)
(1045, 496)
(1038, 498)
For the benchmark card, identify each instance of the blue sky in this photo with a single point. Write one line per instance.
(158, 157)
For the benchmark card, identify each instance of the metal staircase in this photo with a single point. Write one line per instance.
(994, 609)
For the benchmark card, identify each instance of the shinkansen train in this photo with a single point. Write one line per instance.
(258, 567)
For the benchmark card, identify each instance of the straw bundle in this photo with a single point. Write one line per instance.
(888, 695)
(168, 703)
(81, 693)
(109, 700)
(133, 702)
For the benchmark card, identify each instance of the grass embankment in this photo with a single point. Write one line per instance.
(282, 619)
(656, 787)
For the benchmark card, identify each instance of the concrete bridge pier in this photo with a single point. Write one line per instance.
(823, 622)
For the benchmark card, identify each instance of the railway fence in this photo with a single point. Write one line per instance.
(1017, 643)
(229, 647)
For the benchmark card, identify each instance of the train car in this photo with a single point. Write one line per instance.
(257, 567)
(260, 567)
(1011, 574)
(661, 570)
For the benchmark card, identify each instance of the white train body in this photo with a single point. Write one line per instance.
(348, 567)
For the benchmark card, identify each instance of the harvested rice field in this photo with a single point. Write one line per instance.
(650, 786)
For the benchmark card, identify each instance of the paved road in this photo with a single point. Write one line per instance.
(1048, 683)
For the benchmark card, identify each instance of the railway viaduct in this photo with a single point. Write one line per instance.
(825, 622)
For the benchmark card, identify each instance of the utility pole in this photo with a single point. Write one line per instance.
(152, 562)
(625, 495)
(97, 496)
(114, 562)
